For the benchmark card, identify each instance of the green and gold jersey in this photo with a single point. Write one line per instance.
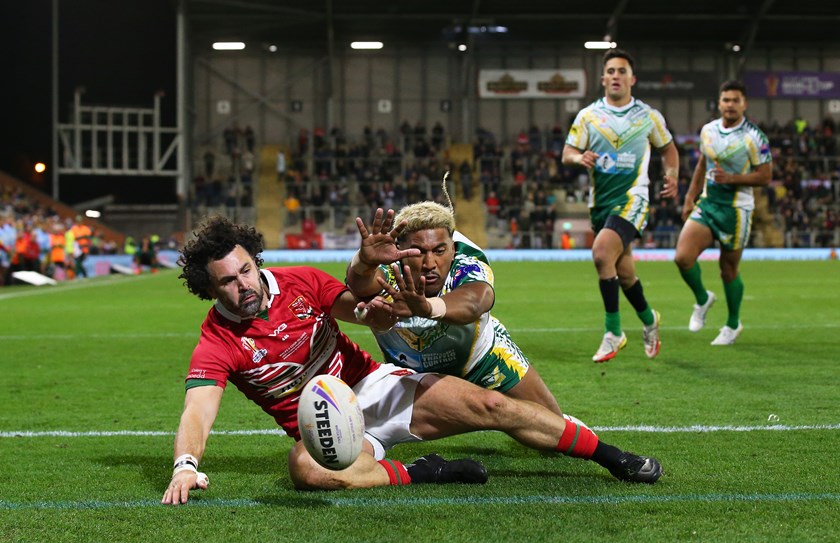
(622, 137)
(426, 345)
(738, 150)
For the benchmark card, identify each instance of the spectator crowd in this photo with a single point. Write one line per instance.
(526, 191)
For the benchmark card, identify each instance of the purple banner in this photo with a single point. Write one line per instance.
(792, 84)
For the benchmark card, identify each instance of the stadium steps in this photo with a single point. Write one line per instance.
(470, 215)
(269, 196)
(768, 234)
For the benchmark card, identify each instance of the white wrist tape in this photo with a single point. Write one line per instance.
(356, 264)
(360, 314)
(185, 462)
(438, 308)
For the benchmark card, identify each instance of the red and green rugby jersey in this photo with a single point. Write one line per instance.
(270, 357)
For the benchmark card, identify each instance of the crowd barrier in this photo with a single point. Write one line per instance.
(105, 264)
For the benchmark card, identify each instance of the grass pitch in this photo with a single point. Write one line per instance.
(92, 389)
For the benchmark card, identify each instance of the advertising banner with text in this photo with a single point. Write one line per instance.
(673, 84)
(793, 84)
(531, 83)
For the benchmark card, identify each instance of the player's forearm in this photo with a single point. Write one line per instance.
(671, 161)
(758, 178)
(697, 180)
(572, 156)
(361, 278)
(200, 408)
(466, 304)
(191, 437)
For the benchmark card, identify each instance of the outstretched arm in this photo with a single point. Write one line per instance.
(201, 405)
(379, 246)
(463, 305)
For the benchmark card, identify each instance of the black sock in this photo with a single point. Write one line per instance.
(636, 296)
(606, 455)
(609, 292)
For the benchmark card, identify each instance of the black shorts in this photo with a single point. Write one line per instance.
(624, 228)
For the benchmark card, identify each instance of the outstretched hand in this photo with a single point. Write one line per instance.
(410, 300)
(379, 241)
(377, 314)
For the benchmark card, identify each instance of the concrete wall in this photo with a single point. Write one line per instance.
(261, 87)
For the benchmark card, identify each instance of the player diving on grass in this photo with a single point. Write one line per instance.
(735, 157)
(442, 295)
(270, 331)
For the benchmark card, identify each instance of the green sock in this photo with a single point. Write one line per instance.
(693, 278)
(636, 296)
(734, 294)
(646, 316)
(612, 323)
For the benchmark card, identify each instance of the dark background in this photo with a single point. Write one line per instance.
(121, 52)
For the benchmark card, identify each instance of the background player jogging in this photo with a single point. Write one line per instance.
(611, 138)
(735, 157)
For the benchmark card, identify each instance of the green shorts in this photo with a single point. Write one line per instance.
(634, 210)
(503, 367)
(731, 226)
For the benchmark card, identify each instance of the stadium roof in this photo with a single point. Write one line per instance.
(631, 23)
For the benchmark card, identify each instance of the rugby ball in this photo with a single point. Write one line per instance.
(331, 423)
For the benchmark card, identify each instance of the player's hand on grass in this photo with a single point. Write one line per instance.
(178, 491)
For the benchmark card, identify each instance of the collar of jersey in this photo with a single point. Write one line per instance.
(273, 289)
(724, 130)
(621, 109)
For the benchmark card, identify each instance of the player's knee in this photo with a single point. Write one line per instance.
(490, 407)
(600, 258)
(683, 261)
(728, 274)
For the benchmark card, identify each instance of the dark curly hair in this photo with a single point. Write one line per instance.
(214, 239)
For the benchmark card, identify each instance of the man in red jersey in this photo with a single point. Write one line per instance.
(270, 331)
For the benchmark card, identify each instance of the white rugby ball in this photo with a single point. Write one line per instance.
(331, 423)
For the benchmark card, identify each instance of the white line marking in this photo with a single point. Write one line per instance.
(359, 333)
(26, 337)
(135, 433)
(392, 502)
(73, 285)
(697, 428)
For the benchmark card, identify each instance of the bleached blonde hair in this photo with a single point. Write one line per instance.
(428, 215)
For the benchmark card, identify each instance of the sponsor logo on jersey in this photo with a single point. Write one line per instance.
(278, 330)
(605, 163)
(197, 374)
(256, 353)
